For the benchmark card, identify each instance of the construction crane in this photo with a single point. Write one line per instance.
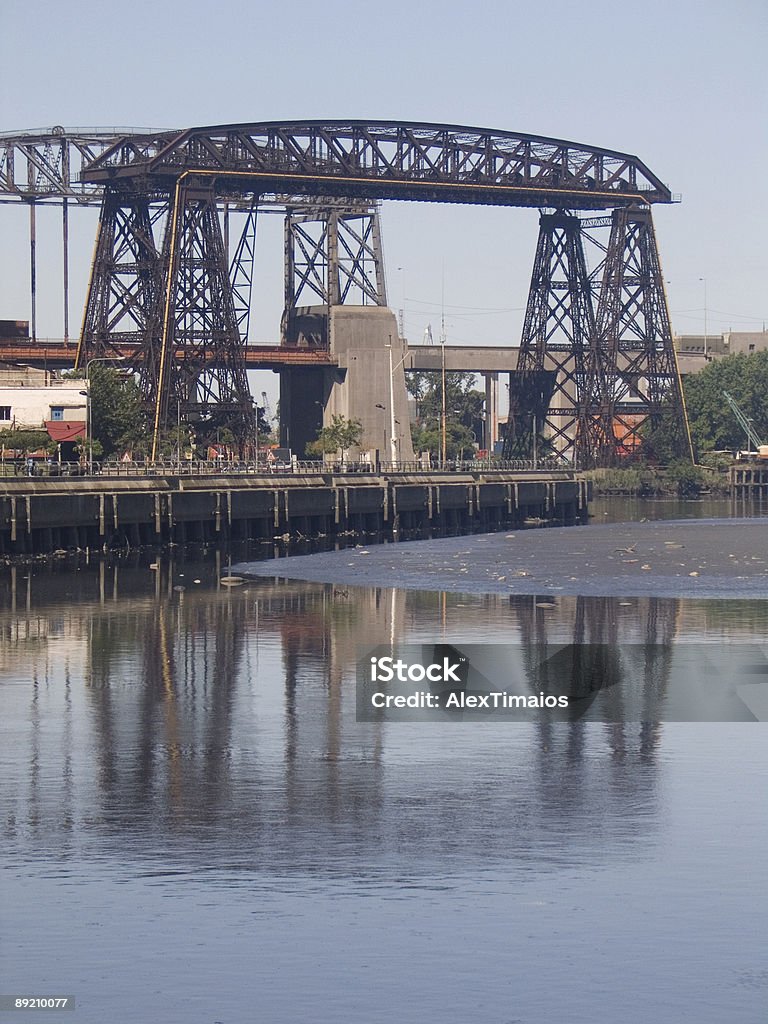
(745, 423)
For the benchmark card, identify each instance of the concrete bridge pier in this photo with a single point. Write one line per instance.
(368, 385)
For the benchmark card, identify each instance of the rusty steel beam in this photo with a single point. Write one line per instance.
(58, 355)
(387, 160)
(45, 165)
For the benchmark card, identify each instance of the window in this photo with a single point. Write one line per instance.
(5, 412)
(57, 412)
(751, 348)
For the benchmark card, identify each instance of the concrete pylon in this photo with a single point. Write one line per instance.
(368, 385)
(366, 342)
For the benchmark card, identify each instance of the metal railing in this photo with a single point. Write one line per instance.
(195, 468)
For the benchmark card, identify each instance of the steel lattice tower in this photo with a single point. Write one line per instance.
(126, 281)
(333, 257)
(639, 377)
(201, 364)
(555, 388)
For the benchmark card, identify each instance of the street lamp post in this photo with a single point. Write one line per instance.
(443, 412)
(378, 405)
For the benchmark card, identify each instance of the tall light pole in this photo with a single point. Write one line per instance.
(705, 317)
(378, 405)
(443, 412)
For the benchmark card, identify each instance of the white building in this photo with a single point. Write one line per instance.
(37, 400)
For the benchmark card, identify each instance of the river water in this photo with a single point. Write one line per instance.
(196, 828)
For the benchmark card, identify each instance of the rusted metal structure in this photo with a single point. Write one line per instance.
(162, 281)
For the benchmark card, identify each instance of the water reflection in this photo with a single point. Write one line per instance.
(159, 706)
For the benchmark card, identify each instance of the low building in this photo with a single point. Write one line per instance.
(32, 399)
(694, 351)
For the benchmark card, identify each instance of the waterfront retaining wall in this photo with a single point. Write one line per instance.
(49, 514)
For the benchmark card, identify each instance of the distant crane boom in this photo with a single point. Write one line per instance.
(744, 422)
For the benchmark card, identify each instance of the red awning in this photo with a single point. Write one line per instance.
(65, 430)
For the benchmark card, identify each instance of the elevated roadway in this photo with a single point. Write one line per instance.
(60, 355)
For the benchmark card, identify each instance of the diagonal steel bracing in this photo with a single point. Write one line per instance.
(125, 283)
(200, 366)
(642, 407)
(558, 342)
(333, 257)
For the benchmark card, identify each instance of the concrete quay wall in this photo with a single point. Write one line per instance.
(50, 514)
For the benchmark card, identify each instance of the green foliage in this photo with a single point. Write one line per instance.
(713, 425)
(341, 435)
(663, 442)
(26, 441)
(638, 480)
(463, 413)
(117, 417)
(679, 477)
(686, 478)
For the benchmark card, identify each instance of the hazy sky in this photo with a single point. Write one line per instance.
(681, 83)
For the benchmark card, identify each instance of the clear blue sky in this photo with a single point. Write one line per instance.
(680, 83)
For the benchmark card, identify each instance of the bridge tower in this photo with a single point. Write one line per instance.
(188, 316)
(555, 390)
(126, 279)
(597, 374)
(336, 301)
(641, 402)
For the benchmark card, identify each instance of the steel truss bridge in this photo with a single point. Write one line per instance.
(170, 284)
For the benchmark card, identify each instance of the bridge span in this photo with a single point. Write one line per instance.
(170, 285)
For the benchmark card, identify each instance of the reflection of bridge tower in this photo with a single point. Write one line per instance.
(167, 737)
(603, 648)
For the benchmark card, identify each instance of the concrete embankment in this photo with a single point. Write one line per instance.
(49, 514)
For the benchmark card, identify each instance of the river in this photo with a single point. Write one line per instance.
(196, 828)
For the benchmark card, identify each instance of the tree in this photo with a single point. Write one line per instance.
(713, 424)
(26, 441)
(463, 412)
(117, 417)
(340, 435)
